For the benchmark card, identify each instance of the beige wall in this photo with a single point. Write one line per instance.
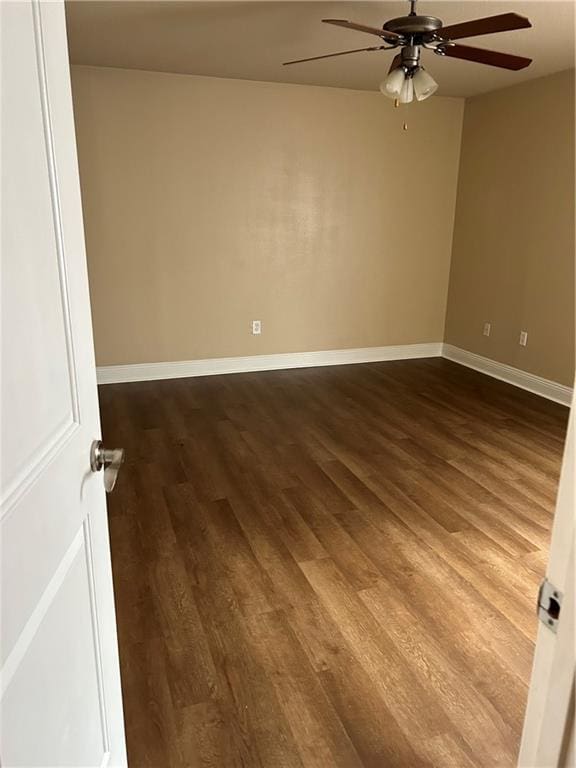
(212, 202)
(513, 253)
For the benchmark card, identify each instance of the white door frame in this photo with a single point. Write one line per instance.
(548, 724)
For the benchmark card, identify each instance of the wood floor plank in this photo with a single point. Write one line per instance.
(336, 542)
(407, 699)
(185, 644)
(441, 557)
(445, 751)
(210, 736)
(355, 695)
(329, 567)
(318, 731)
(134, 600)
(151, 729)
(506, 492)
(230, 546)
(517, 531)
(476, 720)
(470, 651)
(300, 538)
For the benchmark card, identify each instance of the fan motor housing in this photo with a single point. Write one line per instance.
(409, 26)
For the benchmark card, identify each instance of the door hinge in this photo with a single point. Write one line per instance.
(549, 605)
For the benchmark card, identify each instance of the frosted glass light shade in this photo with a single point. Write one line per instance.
(424, 84)
(392, 86)
(407, 92)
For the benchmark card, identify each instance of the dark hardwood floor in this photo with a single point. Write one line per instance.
(330, 567)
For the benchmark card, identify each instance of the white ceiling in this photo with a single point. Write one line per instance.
(250, 40)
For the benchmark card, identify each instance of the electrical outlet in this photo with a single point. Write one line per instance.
(256, 327)
(523, 338)
(487, 329)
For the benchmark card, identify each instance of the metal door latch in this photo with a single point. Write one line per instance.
(549, 605)
(108, 459)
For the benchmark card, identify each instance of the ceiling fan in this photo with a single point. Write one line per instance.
(407, 77)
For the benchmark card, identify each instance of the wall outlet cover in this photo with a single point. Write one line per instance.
(256, 327)
(523, 338)
(487, 328)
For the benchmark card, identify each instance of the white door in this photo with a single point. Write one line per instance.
(60, 684)
(548, 738)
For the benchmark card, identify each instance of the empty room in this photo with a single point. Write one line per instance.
(287, 368)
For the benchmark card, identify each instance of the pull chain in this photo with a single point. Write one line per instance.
(396, 105)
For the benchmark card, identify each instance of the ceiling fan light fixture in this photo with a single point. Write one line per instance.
(424, 84)
(407, 92)
(392, 86)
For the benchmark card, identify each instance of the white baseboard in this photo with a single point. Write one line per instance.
(114, 374)
(536, 384)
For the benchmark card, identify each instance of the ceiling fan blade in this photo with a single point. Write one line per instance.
(362, 28)
(482, 56)
(330, 55)
(505, 22)
(396, 61)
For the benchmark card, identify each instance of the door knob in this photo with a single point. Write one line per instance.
(108, 459)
